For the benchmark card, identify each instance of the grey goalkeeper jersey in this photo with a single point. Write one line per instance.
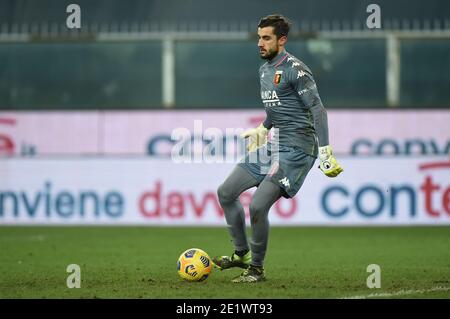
(292, 103)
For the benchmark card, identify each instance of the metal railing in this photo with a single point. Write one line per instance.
(58, 28)
(393, 31)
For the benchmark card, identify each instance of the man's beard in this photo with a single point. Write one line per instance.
(270, 55)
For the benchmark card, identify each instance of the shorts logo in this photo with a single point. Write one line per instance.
(277, 78)
(285, 182)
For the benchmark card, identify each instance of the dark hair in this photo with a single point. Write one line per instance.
(280, 24)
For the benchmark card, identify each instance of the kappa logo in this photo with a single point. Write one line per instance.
(294, 64)
(285, 182)
(290, 59)
(300, 74)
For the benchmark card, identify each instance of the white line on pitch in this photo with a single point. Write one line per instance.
(398, 293)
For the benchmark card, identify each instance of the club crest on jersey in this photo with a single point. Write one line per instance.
(277, 78)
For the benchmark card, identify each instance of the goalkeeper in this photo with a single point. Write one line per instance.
(295, 112)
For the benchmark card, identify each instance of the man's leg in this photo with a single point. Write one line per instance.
(265, 196)
(237, 182)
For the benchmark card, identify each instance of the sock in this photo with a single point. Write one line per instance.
(241, 253)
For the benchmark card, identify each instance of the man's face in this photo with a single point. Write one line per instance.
(269, 45)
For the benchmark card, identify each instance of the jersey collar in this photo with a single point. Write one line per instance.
(276, 61)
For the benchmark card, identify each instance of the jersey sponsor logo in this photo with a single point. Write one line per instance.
(270, 98)
(306, 90)
(277, 78)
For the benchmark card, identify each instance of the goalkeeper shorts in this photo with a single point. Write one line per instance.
(286, 167)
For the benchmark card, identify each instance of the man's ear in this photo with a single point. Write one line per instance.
(282, 40)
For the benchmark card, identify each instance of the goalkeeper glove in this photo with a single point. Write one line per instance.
(328, 164)
(258, 137)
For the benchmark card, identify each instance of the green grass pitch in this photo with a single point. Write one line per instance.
(301, 262)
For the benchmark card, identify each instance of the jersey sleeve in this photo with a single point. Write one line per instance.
(306, 88)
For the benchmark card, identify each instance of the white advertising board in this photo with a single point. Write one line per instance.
(356, 132)
(149, 191)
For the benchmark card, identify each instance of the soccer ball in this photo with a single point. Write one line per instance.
(194, 265)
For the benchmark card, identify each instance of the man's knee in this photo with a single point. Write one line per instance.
(225, 194)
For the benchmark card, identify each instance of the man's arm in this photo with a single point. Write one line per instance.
(320, 123)
(307, 90)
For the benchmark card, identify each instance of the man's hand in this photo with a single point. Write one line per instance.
(328, 164)
(258, 137)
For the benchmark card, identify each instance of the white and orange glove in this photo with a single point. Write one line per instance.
(258, 137)
(328, 164)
